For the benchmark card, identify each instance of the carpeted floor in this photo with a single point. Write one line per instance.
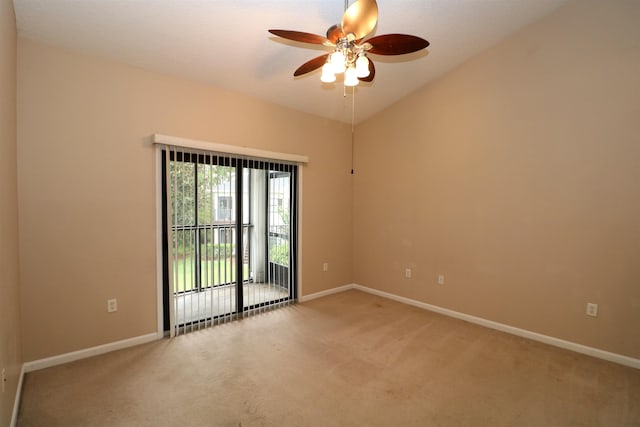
(350, 359)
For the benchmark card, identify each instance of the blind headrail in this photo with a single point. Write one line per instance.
(228, 149)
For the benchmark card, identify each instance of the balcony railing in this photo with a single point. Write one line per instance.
(206, 255)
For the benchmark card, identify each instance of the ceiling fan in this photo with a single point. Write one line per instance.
(350, 50)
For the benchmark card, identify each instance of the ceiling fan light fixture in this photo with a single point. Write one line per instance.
(338, 62)
(351, 77)
(362, 66)
(350, 45)
(328, 76)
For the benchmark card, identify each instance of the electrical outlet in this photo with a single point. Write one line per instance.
(4, 378)
(407, 273)
(112, 305)
(592, 309)
(441, 279)
(325, 266)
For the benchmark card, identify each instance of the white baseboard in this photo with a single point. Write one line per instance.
(16, 403)
(557, 342)
(321, 294)
(130, 342)
(89, 352)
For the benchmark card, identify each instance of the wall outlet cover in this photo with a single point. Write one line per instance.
(112, 305)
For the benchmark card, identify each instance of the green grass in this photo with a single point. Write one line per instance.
(221, 271)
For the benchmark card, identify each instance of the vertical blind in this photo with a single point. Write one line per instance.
(230, 237)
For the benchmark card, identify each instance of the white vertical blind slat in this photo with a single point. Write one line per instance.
(171, 249)
(197, 270)
(210, 268)
(217, 256)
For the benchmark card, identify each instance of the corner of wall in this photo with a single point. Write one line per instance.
(10, 352)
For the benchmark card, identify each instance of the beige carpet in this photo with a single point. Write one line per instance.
(350, 359)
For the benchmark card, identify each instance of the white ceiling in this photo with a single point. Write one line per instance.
(226, 43)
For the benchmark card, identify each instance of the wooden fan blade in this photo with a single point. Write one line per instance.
(396, 44)
(334, 33)
(299, 36)
(372, 73)
(360, 18)
(309, 66)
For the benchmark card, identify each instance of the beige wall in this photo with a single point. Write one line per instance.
(10, 358)
(87, 189)
(517, 176)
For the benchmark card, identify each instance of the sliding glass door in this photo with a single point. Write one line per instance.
(229, 237)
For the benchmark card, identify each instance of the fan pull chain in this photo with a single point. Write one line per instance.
(353, 116)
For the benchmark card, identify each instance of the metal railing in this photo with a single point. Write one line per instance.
(206, 255)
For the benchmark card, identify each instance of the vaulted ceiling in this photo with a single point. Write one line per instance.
(226, 43)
